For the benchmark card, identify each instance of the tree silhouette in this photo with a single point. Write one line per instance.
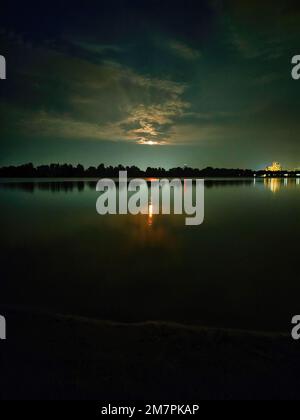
(56, 170)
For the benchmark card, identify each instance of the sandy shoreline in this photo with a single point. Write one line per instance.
(59, 357)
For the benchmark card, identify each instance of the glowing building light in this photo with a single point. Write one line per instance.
(275, 167)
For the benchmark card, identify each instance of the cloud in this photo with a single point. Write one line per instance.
(102, 101)
(154, 121)
(60, 126)
(256, 46)
(184, 51)
(150, 125)
(244, 46)
(96, 48)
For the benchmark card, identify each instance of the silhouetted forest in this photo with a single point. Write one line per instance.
(70, 171)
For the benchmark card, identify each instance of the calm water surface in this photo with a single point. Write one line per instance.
(239, 269)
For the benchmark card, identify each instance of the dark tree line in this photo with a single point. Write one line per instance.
(70, 171)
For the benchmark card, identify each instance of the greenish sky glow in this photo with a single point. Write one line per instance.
(151, 83)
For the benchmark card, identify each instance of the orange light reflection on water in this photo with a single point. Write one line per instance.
(150, 215)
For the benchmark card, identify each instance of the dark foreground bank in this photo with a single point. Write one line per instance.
(55, 357)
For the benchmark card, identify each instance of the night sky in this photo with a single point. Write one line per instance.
(150, 83)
